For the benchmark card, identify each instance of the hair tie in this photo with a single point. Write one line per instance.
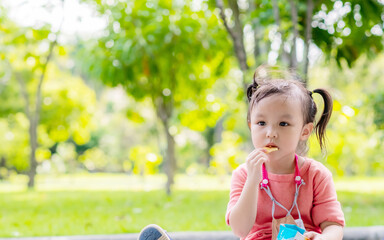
(252, 88)
(310, 93)
(255, 86)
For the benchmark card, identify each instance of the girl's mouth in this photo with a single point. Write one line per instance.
(270, 148)
(271, 145)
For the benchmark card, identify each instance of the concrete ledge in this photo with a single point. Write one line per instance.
(364, 233)
(350, 233)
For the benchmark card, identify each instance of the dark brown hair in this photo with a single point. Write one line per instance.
(269, 80)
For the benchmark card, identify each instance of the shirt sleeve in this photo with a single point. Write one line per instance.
(239, 176)
(325, 204)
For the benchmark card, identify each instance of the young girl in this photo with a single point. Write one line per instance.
(277, 183)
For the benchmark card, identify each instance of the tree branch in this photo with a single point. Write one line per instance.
(219, 4)
(276, 16)
(308, 36)
(256, 36)
(44, 69)
(236, 33)
(294, 17)
(35, 117)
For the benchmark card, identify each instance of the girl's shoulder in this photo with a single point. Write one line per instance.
(241, 169)
(239, 174)
(315, 168)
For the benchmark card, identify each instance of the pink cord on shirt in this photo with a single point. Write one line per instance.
(298, 180)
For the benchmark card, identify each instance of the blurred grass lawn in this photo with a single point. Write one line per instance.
(111, 204)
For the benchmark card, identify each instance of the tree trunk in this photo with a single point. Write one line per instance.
(33, 114)
(294, 17)
(308, 37)
(31, 130)
(35, 120)
(256, 34)
(276, 16)
(237, 37)
(209, 138)
(32, 158)
(164, 109)
(3, 165)
(256, 50)
(170, 163)
(212, 136)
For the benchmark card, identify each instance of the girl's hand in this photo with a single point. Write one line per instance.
(313, 236)
(254, 162)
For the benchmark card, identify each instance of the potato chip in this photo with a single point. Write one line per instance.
(270, 149)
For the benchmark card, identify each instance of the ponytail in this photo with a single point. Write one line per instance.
(325, 116)
(252, 87)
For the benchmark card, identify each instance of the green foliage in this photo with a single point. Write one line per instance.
(226, 154)
(168, 53)
(378, 106)
(159, 50)
(11, 99)
(72, 104)
(66, 100)
(145, 160)
(346, 30)
(178, 53)
(94, 159)
(355, 142)
(14, 139)
(342, 29)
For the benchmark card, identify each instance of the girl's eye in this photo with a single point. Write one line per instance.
(284, 124)
(261, 123)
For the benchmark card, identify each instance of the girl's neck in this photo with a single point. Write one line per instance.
(282, 166)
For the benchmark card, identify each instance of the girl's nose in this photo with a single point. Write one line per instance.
(271, 133)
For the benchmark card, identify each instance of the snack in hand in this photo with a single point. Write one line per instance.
(291, 232)
(270, 149)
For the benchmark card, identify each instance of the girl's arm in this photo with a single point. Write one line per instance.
(330, 231)
(243, 214)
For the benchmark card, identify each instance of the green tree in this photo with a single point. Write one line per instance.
(167, 52)
(21, 49)
(343, 30)
(43, 105)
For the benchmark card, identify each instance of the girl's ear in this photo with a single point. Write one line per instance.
(249, 124)
(306, 131)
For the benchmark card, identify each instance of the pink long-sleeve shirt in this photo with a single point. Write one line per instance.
(317, 199)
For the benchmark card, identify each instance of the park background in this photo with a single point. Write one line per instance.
(115, 113)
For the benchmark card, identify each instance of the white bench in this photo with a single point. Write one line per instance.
(350, 233)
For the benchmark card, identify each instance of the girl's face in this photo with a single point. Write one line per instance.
(277, 121)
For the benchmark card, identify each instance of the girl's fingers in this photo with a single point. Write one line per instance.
(310, 235)
(261, 155)
(256, 158)
(252, 154)
(256, 152)
(254, 162)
